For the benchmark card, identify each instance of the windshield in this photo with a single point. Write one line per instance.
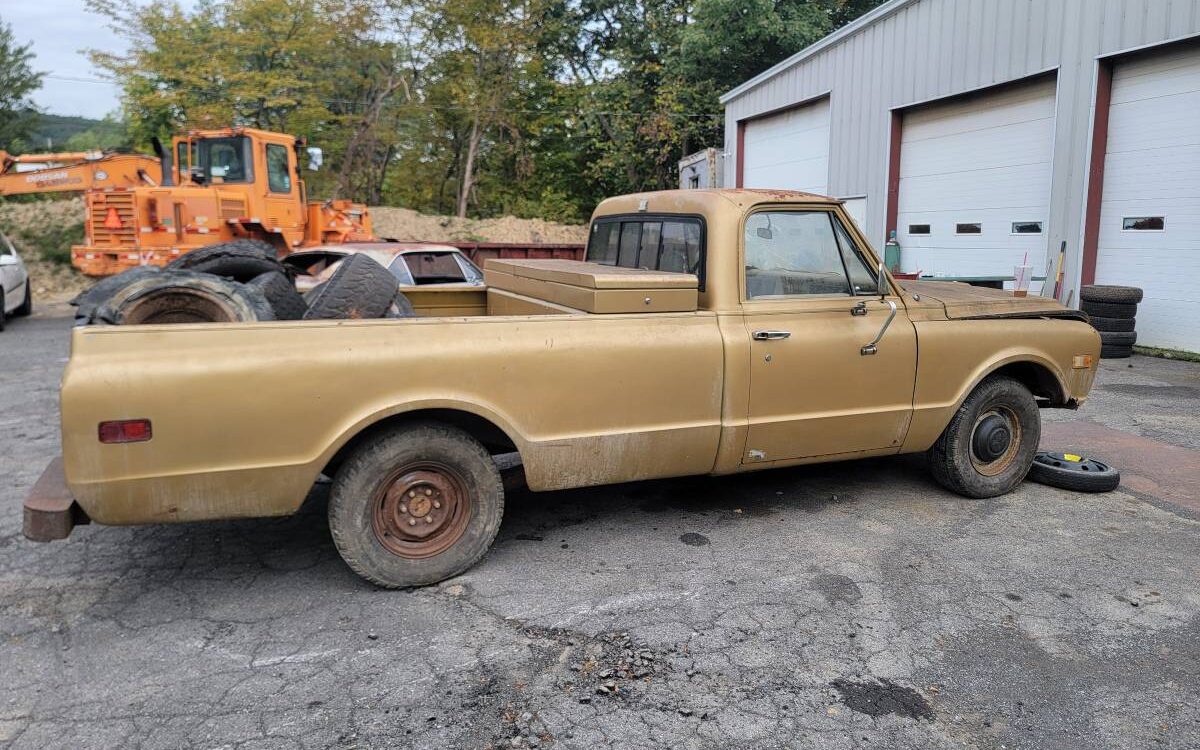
(217, 160)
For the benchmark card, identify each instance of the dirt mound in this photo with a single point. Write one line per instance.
(406, 224)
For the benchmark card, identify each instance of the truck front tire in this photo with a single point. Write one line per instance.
(989, 445)
(415, 505)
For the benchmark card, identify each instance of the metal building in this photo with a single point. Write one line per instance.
(987, 131)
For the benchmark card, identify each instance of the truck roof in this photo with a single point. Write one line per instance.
(703, 201)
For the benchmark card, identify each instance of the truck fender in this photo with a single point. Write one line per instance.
(494, 430)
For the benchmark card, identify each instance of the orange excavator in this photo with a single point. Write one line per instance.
(217, 185)
(75, 171)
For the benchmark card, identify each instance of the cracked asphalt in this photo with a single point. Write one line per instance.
(849, 605)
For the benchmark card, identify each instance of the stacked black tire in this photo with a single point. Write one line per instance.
(1113, 310)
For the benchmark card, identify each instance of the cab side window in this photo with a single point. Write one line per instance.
(790, 253)
(279, 177)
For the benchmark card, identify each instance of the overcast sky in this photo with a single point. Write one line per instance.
(59, 30)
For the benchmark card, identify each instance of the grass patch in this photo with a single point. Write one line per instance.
(1152, 351)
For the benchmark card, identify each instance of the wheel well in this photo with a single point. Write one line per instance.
(1037, 378)
(494, 439)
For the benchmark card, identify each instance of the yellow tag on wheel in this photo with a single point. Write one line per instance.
(1072, 457)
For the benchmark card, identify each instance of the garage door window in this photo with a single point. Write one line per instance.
(968, 228)
(918, 229)
(1027, 227)
(1143, 223)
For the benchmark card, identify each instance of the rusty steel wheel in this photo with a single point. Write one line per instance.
(415, 504)
(988, 446)
(995, 440)
(422, 510)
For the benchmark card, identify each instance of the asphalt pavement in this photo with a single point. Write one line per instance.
(852, 605)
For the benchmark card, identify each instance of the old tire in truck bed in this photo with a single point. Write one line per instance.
(416, 504)
(359, 288)
(240, 260)
(87, 302)
(279, 290)
(184, 297)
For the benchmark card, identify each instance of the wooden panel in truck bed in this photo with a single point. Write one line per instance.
(594, 288)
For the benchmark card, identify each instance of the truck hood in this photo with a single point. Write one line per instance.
(963, 301)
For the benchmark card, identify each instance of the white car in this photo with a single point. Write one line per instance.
(16, 298)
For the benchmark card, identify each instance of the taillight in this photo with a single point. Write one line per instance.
(125, 431)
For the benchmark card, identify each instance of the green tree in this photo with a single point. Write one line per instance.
(18, 115)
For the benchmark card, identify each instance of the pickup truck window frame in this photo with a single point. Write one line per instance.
(836, 224)
(652, 218)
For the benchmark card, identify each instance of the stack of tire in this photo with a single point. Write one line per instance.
(1113, 311)
(237, 282)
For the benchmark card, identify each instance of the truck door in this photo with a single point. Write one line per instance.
(822, 379)
(284, 212)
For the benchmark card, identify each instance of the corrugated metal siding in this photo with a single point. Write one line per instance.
(921, 50)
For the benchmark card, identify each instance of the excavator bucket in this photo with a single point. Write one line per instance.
(112, 220)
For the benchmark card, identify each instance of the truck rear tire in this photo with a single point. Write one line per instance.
(415, 505)
(989, 445)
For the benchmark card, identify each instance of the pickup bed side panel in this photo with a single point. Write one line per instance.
(954, 355)
(245, 417)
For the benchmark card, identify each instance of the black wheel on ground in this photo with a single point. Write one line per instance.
(1109, 309)
(26, 306)
(184, 297)
(1, 309)
(1071, 472)
(86, 302)
(279, 290)
(1118, 338)
(1115, 352)
(415, 505)
(240, 260)
(1113, 324)
(989, 444)
(359, 288)
(1129, 295)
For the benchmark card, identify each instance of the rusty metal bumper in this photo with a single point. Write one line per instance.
(50, 510)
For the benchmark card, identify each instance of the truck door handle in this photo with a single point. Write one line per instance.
(771, 335)
(859, 309)
(873, 348)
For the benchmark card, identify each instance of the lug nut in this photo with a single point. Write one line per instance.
(437, 504)
(412, 522)
(428, 519)
(412, 493)
(428, 492)
(403, 508)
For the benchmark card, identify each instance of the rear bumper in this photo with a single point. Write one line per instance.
(50, 510)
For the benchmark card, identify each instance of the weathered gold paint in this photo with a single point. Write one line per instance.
(246, 416)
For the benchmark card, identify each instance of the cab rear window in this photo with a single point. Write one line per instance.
(655, 243)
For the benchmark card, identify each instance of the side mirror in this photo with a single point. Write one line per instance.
(315, 158)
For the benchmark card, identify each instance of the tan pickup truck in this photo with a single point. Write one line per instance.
(709, 332)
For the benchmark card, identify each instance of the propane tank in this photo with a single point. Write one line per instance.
(891, 253)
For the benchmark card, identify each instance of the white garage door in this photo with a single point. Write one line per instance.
(1150, 214)
(789, 150)
(975, 183)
